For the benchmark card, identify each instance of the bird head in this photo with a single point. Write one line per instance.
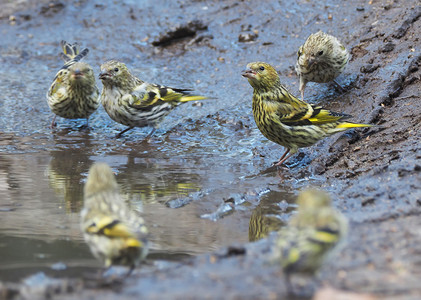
(261, 75)
(80, 73)
(314, 209)
(317, 49)
(313, 199)
(100, 178)
(114, 73)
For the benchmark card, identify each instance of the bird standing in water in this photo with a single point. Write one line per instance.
(136, 103)
(73, 93)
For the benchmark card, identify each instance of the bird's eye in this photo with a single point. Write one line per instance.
(320, 53)
(262, 68)
(116, 70)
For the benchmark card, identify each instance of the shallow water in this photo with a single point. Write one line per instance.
(41, 196)
(202, 182)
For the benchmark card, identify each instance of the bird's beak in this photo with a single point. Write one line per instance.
(248, 73)
(77, 73)
(311, 61)
(104, 75)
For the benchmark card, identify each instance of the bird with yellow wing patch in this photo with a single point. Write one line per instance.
(312, 235)
(134, 102)
(114, 233)
(285, 119)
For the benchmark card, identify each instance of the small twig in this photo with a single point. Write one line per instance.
(405, 97)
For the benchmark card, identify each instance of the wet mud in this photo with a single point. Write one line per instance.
(204, 182)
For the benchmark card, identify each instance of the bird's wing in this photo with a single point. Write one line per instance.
(147, 94)
(287, 109)
(292, 111)
(108, 226)
(322, 116)
(71, 52)
(303, 249)
(57, 82)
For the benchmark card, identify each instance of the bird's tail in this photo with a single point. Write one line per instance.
(71, 52)
(188, 98)
(346, 125)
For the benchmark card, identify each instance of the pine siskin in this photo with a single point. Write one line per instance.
(311, 235)
(321, 59)
(114, 233)
(73, 93)
(286, 120)
(136, 103)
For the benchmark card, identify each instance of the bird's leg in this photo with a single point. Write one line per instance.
(85, 126)
(339, 87)
(53, 123)
(290, 287)
(303, 84)
(109, 280)
(132, 267)
(283, 158)
(125, 130)
(104, 271)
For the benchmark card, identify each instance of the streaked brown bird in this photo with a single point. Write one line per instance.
(321, 59)
(134, 102)
(115, 234)
(312, 235)
(73, 93)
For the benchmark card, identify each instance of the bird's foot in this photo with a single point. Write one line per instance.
(85, 127)
(121, 133)
(280, 164)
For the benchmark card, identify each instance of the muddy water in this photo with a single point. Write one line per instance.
(202, 182)
(180, 193)
(193, 200)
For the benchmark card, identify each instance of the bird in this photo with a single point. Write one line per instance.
(73, 93)
(285, 119)
(320, 59)
(136, 103)
(312, 235)
(115, 234)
